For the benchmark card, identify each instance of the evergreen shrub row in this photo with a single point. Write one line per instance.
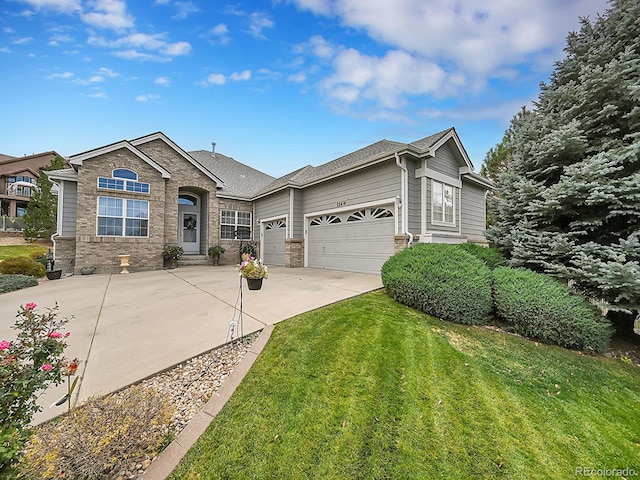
(441, 280)
(491, 257)
(9, 283)
(455, 283)
(538, 306)
(22, 266)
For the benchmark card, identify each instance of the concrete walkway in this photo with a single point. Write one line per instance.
(127, 327)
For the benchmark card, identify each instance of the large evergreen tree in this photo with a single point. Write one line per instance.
(569, 203)
(40, 217)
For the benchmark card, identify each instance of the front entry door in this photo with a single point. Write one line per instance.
(190, 232)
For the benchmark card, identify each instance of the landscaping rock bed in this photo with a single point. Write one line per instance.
(189, 386)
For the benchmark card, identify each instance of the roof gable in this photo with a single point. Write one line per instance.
(440, 139)
(124, 144)
(161, 136)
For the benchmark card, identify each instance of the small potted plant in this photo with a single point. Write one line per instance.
(247, 250)
(254, 271)
(214, 252)
(171, 254)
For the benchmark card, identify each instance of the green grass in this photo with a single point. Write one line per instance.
(31, 251)
(368, 388)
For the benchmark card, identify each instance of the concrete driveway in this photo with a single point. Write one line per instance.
(127, 327)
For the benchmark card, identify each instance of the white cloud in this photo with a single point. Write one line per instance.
(22, 41)
(221, 79)
(133, 43)
(184, 9)
(219, 34)
(216, 79)
(164, 81)
(258, 22)
(147, 97)
(176, 49)
(240, 76)
(299, 77)
(384, 79)
(59, 38)
(57, 5)
(96, 79)
(220, 29)
(447, 46)
(63, 75)
(99, 95)
(109, 14)
(104, 71)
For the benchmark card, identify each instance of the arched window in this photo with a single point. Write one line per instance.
(123, 179)
(125, 173)
(186, 199)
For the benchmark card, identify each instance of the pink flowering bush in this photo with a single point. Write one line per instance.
(28, 365)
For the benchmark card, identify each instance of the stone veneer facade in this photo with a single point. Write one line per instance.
(145, 252)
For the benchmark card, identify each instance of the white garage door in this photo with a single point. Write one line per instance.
(356, 241)
(275, 233)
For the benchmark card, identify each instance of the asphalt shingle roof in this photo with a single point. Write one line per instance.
(240, 180)
(355, 159)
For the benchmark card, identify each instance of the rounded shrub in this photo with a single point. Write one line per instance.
(441, 280)
(491, 257)
(22, 266)
(538, 306)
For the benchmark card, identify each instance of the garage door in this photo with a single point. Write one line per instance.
(355, 241)
(275, 233)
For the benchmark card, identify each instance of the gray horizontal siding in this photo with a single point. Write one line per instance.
(473, 211)
(297, 223)
(368, 185)
(70, 208)
(445, 162)
(414, 198)
(275, 205)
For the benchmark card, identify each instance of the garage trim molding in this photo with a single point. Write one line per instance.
(264, 221)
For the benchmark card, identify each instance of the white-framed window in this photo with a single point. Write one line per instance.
(120, 217)
(124, 180)
(235, 225)
(443, 205)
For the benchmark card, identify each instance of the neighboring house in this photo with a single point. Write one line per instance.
(16, 174)
(134, 197)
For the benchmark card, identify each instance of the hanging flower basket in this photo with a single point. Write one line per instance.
(254, 271)
(254, 283)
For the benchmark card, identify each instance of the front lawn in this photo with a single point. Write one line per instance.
(369, 388)
(31, 251)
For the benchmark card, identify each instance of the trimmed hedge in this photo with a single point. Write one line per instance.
(22, 266)
(441, 280)
(491, 257)
(538, 306)
(9, 283)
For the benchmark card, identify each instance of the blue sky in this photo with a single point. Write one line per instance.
(276, 84)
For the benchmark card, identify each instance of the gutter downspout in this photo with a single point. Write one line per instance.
(404, 195)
